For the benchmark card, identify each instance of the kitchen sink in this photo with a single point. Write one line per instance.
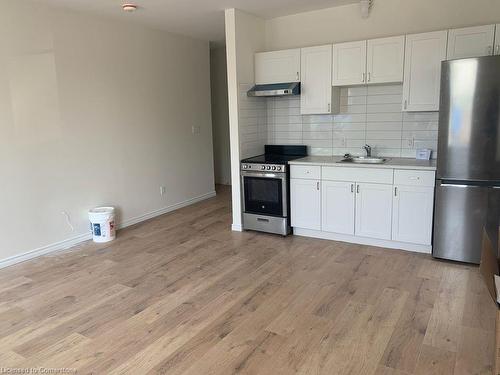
(364, 160)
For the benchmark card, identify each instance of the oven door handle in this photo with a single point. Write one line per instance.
(281, 176)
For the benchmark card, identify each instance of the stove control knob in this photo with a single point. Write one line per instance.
(279, 168)
(268, 168)
(274, 168)
(263, 167)
(245, 166)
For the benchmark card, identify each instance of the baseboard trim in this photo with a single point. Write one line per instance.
(363, 240)
(70, 242)
(237, 228)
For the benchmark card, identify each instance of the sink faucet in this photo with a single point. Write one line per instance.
(368, 150)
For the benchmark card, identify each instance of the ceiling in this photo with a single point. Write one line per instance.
(202, 19)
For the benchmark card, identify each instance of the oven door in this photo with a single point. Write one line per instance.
(264, 193)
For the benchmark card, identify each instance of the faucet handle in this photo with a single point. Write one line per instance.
(368, 150)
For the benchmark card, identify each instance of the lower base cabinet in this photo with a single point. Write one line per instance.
(373, 210)
(412, 214)
(338, 202)
(305, 200)
(365, 205)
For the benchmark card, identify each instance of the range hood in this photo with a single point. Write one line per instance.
(275, 89)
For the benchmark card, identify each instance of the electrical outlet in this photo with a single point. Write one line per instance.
(195, 129)
(163, 190)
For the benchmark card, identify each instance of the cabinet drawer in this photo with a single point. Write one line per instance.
(370, 175)
(305, 171)
(413, 177)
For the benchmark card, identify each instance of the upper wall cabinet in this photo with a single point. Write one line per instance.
(497, 40)
(277, 66)
(471, 42)
(385, 59)
(422, 73)
(349, 63)
(316, 80)
(367, 62)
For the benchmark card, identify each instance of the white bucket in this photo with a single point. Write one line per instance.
(102, 224)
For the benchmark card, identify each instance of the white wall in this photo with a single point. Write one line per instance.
(245, 35)
(220, 116)
(95, 111)
(388, 17)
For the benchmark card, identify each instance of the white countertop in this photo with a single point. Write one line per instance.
(392, 163)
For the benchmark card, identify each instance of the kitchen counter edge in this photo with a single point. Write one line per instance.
(391, 163)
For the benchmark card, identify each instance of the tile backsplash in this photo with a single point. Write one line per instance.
(252, 123)
(368, 114)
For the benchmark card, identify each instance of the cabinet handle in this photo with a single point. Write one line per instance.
(357, 189)
(298, 76)
(362, 77)
(352, 188)
(329, 108)
(489, 51)
(369, 76)
(317, 185)
(395, 191)
(406, 104)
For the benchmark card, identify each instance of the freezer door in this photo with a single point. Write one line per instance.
(469, 120)
(461, 212)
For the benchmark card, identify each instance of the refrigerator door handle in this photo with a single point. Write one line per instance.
(461, 185)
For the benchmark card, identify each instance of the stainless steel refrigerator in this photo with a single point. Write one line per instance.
(468, 160)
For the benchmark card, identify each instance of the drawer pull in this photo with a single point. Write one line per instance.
(264, 220)
(414, 178)
(352, 188)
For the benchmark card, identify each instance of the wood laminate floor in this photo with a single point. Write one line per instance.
(182, 294)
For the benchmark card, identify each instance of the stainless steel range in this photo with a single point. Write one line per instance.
(265, 181)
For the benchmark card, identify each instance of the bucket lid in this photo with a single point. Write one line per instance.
(102, 210)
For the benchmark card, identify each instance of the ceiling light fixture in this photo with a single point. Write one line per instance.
(365, 7)
(127, 7)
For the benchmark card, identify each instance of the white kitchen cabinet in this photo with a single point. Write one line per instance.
(316, 80)
(368, 62)
(373, 210)
(497, 39)
(422, 74)
(338, 203)
(471, 42)
(349, 63)
(277, 66)
(385, 60)
(305, 200)
(412, 214)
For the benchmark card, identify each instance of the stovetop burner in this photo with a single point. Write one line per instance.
(278, 154)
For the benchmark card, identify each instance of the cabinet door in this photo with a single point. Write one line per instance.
(385, 60)
(316, 80)
(497, 39)
(337, 207)
(373, 210)
(422, 75)
(349, 63)
(470, 42)
(305, 201)
(412, 214)
(277, 66)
